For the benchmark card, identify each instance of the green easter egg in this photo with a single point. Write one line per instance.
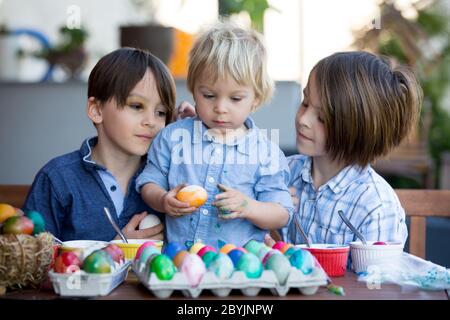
(250, 265)
(163, 267)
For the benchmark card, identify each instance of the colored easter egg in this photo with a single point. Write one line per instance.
(268, 255)
(205, 249)
(208, 257)
(235, 255)
(98, 261)
(380, 243)
(253, 246)
(280, 266)
(6, 211)
(284, 248)
(196, 247)
(262, 252)
(222, 266)
(178, 258)
(142, 247)
(243, 250)
(278, 245)
(289, 251)
(172, 248)
(196, 196)
(18, 225)
(227, 248)
(302, 260)
(38, 221)
(250, 265)
(193, 268)
(163, 267)
(147, 253)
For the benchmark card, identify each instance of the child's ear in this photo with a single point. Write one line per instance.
(94, 110)
(255, 105)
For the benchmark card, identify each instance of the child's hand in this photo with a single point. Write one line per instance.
(293, 192)
(174, 207)
(234, 204)
(184, 110)
(131, 229)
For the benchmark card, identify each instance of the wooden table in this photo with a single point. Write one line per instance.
(131, 289)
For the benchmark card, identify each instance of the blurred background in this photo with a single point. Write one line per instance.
(48, 48)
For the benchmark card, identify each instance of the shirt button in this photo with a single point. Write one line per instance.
(205, 212)
(113, 188)
(211, 180)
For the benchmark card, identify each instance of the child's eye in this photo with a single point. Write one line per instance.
(161, 114)
(135, 106)
(208, 96)
(236, 99)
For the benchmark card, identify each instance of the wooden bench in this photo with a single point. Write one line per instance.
(418, 204)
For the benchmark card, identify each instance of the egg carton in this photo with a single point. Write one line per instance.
(83, 284)
(306, 284)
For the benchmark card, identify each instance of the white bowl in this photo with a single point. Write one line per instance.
(82, 247)
(364, 255)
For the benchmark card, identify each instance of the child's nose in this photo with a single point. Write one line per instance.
(220, 106)
(149, 119)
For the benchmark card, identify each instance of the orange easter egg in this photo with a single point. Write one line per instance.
(6, 211)
(194, 195)
(179, 257)
(227, 248)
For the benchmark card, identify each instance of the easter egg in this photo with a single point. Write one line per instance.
(147, 253)
(98, 261)
(163, 267)
(262, 252)
(222, 266)
(178, 258)
(205, 249)
(235, 255)
(142, 247)
(6, 211)
(250, 265)
(289, 251)
(38, 221)
(280, 265)
(227, 248)
(149, 221)
(193, 194)
(253, 246)
(208, 257)
(268, 255)
(115, 252)
(67, 262)
(302, 260)
(196, 247)
(18, 225)
(380, 243)
(193, 268)
(278, 245)
(172, 248)
(284, 248)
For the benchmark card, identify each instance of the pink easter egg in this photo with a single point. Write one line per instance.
(278, 245)
(142, 247)
(204, 250)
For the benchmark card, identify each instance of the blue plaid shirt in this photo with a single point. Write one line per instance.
(70, 193)
(184, 152)
(367, 200)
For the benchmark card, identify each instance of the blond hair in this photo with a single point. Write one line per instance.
(227, 49)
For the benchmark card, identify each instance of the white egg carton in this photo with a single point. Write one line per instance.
(83, 284)
(306, 284)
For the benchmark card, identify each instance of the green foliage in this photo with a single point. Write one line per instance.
(254, 8)
(71, 40)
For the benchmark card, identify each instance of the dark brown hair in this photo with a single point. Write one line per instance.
(369, 104)
(117, 73)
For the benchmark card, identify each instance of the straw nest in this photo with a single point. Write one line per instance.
(24, 259)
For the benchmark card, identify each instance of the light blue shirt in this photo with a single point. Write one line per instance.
(184, 152)
(367, 200)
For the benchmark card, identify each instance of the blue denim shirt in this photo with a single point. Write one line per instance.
(184, 152)
(70, 194)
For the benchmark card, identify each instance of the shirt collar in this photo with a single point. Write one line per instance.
(339, 182)
(201, 133)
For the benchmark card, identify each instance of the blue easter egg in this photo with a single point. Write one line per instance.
(250, 265)
(172, 248)
(235, 255)
(302, 260)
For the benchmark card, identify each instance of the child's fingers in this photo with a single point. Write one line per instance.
(175, 203)
(268, 240)
(229, 216)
